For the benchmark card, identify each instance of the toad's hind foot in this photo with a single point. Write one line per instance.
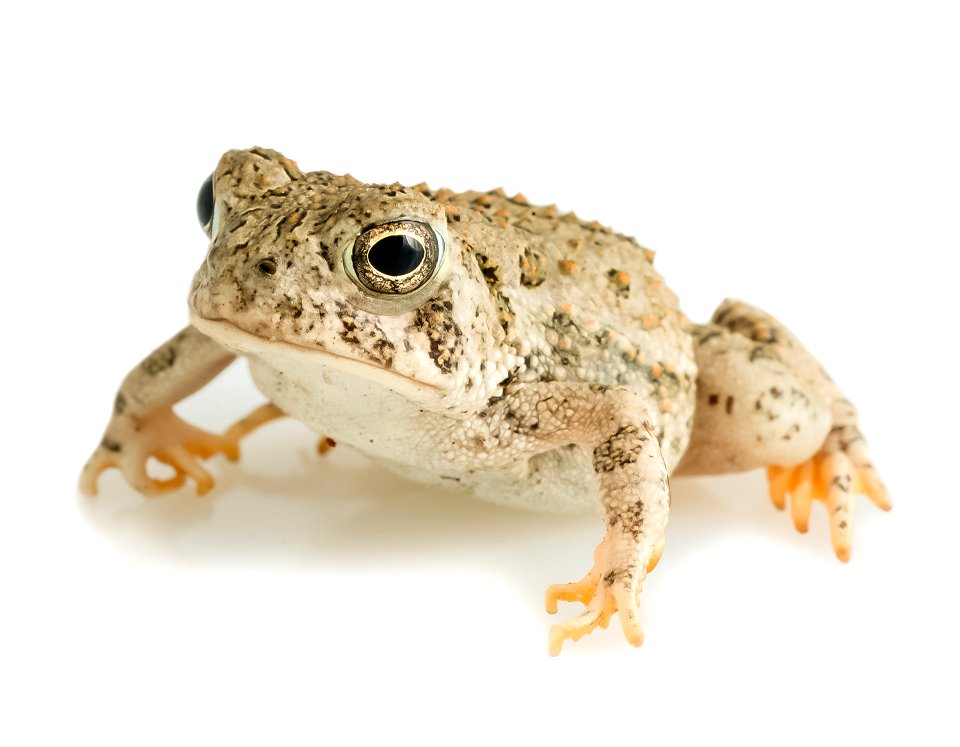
(834, 478)
(263, 415)
(602, 591)
(245, 426)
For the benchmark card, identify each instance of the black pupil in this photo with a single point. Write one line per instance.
(396, 255)
(205, 201)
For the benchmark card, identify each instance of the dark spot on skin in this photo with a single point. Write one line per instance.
(365, 336)
(623, 447)
(159, 360)
(728, 405)
(793, 430)
(504, 311)
(718, 319)
(110, 445)
(630, 520)
(622, 575)
(491, 277)
(533, 267)
(435, 320)
(488, 269)
(119, 404)
(293, 221)
(384, 348)
(619, 281)
(842, 482)
(267, 266)
(844, 436)
(757, 328)
(290, 306)
(714, 398)
(491, 402)
(327, 255)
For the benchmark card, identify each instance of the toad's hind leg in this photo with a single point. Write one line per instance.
(261, 416)
(764, 401)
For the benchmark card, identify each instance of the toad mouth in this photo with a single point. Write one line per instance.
(247, 343)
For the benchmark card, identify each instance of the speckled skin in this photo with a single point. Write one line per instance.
(544, 364)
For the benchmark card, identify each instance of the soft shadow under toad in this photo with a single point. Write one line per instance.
(285, 503)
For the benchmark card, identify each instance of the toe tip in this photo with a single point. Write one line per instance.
(555, 643)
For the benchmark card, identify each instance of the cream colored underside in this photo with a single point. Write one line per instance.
(377, 412)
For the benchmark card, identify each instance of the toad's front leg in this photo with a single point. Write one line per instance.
(635, 496)
(614, 427)
(144, 425)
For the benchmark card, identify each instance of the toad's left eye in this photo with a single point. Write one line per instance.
(205, 203)
(396, 257)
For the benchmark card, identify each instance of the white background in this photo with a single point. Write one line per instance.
(802, 156)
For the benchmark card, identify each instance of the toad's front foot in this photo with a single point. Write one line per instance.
(834, 476)
(612, 585)
(130, 441)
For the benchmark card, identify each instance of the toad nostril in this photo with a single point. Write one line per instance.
(267, 266)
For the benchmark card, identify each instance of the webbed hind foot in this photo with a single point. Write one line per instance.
(834, 477)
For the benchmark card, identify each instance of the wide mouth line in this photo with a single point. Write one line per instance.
(258, 341)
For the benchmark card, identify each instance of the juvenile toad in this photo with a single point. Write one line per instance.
(524, 355)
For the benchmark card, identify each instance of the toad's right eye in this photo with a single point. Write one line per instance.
(395, 258)
(205, 204)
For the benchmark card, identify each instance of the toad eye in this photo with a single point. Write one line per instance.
(205, 204)
(396, 257)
